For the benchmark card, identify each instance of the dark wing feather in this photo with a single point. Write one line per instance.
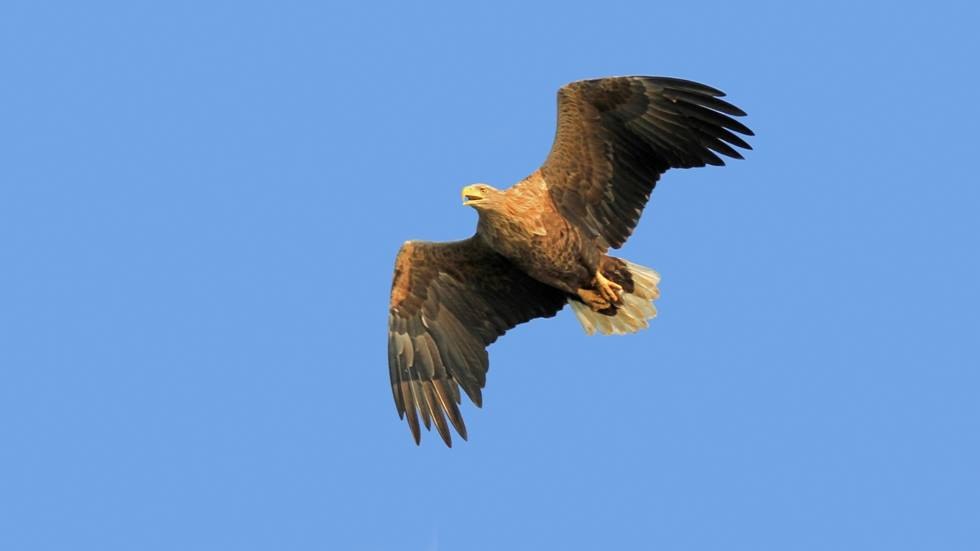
(616, 136)
(448, 302)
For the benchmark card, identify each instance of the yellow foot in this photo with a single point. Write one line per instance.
(593, 299)
(610, 291)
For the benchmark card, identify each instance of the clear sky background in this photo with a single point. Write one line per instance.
(200, 204)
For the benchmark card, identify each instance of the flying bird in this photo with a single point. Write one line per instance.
(542, 242)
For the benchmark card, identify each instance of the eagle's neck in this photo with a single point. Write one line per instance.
(510, 229)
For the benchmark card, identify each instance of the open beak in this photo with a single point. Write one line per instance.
(471, 195)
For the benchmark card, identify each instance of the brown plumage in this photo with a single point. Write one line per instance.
(543, 242)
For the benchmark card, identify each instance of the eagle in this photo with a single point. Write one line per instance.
(542, 243)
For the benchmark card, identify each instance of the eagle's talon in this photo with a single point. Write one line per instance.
(610, 290)
(593, 299)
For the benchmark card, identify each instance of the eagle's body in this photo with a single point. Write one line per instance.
(528, 230)
(542, 243)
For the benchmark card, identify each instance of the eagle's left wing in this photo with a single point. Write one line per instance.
(448, 302)
(616, 136)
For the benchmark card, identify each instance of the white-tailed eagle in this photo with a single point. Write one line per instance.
(542, 243)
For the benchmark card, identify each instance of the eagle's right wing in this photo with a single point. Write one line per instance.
(448, 302)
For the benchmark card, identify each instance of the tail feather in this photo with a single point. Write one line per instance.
(640, 290)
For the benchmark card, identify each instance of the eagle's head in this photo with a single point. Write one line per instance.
(480, 195)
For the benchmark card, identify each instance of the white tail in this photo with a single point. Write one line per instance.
(632, 315)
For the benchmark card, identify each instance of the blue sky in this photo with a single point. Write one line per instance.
(200, 203)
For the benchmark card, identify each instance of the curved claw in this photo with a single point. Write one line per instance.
(610, 290)
(594, 299)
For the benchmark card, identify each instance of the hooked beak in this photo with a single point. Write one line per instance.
(471, 195)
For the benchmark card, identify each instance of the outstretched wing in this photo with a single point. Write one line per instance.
(616, 136)
(448, 302)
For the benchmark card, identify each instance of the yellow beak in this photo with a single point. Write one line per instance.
(471, 194)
